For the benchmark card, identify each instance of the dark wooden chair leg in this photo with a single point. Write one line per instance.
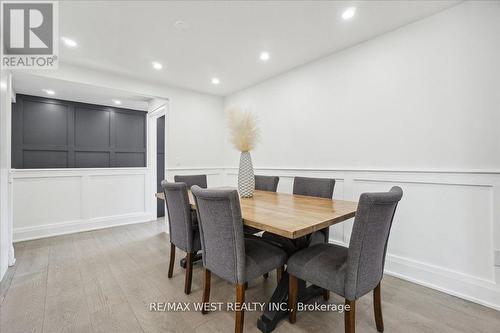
(350, 317)
(326, 295)
(279, 273)
(292, 298)
(265, 276)
(172, 259)
(240, 313)
(189, 273)
(377, 308)
(206, 290)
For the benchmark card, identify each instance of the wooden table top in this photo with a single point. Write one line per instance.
(290, 215)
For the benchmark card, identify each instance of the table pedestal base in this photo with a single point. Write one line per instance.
(197, 257)
(277, 308)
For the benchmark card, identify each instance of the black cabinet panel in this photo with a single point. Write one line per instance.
(52, 133)
(130, 159)
(37, 159)
(90, 159)
(45, 123)
(129, 130)
(92, 128)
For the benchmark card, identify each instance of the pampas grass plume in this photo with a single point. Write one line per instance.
(243, 131)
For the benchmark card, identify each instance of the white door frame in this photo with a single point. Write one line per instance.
(152, 123)
(6, 189)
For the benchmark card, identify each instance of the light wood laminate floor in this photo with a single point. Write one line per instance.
(104, 280)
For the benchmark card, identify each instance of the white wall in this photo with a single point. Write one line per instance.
(51, 202)
(418, 107)
(425, 96)
(6, 249)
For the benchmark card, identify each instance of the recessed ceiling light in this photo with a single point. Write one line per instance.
(117, 102)
(157, 65)
(3, 85)
(181, 25)
(69, 42)
(264, 56)
(215, 80)
(49, 91)
(349, 13)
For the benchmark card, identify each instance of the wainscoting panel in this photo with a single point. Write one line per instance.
(57, 201)
(110, 195)
(446, 231)
(445, 235)
(46, 200)
(444, 225)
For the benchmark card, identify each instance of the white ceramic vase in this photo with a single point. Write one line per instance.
(246, 178)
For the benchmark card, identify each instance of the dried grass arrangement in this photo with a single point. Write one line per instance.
(243, 130)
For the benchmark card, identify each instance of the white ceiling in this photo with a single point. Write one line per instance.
(225, 37)
(34, 85)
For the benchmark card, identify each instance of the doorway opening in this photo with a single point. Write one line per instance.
(160, 163)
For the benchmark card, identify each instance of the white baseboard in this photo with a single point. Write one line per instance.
(457, 284)
(482, 292)
(68, 227)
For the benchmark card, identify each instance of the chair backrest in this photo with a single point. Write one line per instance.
(368, 244)
(190, 180)
(266, 183)
(314, 187)
(179, 215)
(221, 232)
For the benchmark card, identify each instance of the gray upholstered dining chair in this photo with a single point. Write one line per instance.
(190, 180)
(226, 252)
(183, 230)
(266, 183)
(313, 187)
(355, 271)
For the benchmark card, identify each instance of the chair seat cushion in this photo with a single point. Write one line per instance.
(261, 258)
(322, 264)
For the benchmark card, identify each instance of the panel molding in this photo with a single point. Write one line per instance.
(377, 170)
(72, 172)
(80, 135)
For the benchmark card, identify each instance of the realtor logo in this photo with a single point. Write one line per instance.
(29, 34)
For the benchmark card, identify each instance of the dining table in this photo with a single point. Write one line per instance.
(294, 217)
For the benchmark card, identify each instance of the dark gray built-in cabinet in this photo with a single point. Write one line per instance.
(53, 133)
